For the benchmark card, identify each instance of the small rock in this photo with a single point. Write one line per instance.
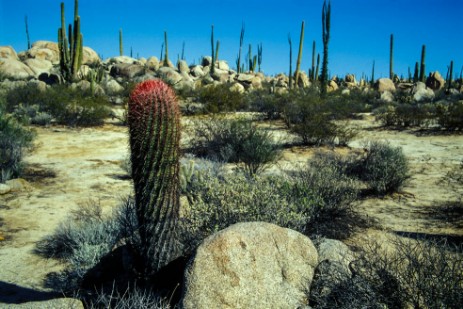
(223, 65)
(4, 189)
(182, 66)
(152, 63)
(197, 71)
(206, 61)
(387, 97)
(237, 87)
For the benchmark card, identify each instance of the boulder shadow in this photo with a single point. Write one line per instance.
(15, 294)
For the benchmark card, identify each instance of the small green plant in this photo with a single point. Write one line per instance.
(310, 118)
(14, 141)
(219, 98)
(384, 168)
(236, 141)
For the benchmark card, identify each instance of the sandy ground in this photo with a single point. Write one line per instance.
(70, 167)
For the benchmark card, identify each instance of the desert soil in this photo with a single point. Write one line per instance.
(72, 167)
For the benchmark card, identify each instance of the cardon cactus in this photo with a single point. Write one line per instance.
(154, 128)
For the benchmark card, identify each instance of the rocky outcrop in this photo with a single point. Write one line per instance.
(90, 57)
(15, 69)
(8, 52)
(38, 66)
(422, 93)
(385, 84)
(127, 70)
(251, 265)
(435, 81)
(43, 50)
(152, 63)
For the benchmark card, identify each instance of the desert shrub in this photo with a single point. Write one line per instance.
(32, 114)
(311, 119)
(221, 199)
(411, 114)
(219, 98)
(416, 274)
(450, 115)
(80, 242)
(345, 106)
(14, 140)
(133, 298)
(235, 141)
(384, 168)
(317, 200)
(333, 216)
(270, 105)
(67, 106)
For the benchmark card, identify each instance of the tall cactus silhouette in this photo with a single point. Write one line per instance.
(154, 128)
(70, 52)
(312, 68)
(121, 43)
(238, 61)
(299, 55)
(326, 26)
(422, 64)
(391, 57)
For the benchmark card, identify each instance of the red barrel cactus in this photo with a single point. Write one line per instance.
(154, 129)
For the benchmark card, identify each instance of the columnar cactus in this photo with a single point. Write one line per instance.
(70, 56)
(391, 57)
(154, 127)
(299, 56)
(326, 25)
(423, 64)
(121, 46)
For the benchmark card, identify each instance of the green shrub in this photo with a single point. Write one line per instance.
(67, 106)
(417, 274)
(219, 98)
(80, 242)
(317, 200)
(270, 105)
(333, 215)
(345, 106)
(406, 115)
(235, 141)
(384, 168)
(311, 119)
(14, 140)
(450, 115)
(222, 199)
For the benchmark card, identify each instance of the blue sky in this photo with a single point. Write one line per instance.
(360, 30)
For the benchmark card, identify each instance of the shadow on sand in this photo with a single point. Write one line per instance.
(15, 294)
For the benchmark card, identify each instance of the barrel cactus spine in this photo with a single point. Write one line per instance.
(154, 129)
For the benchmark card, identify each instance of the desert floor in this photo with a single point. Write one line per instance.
(72, 167)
